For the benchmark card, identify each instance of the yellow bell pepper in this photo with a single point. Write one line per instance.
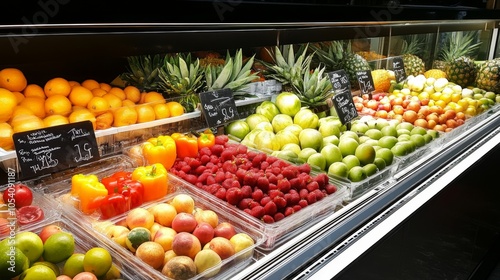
(160, 149)
(87, 188)
(78, 180)
(154, 179)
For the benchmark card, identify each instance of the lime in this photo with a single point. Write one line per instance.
(30, 244)
(73, 265)
(38, 272)
(113, 273)
(356, 174)
(58, 247)
(380, 163)
(370, 169)
(338, 169)
(54, 267)
(98, 261)
(12, 262)
(385, 154)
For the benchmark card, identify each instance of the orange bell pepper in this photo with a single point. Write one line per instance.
(206, 139)
(161, 149)
(186, 145)
(87, 188)
(154, 179)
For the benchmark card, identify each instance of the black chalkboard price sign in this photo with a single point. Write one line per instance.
(342, 98)
(218, 107)
(365, 81)
(44, 151)
(398, 67)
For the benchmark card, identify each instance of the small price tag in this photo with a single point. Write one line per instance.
(43, 151)
(399, 69)
(365, 81)
(218, 107)
(342, 98)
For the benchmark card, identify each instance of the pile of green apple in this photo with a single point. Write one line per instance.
(285, 129)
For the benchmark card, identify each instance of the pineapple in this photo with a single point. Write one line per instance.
(143, 72)
(457, 54)
(488, 76)
(313, 88)
(414, 65)
(335, 56)
(235, 74)
(287, 67)
(183, 77)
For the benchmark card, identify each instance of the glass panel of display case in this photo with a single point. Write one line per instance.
(416, 50)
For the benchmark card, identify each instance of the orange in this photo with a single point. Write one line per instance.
(6, 132)
(21, 110)
(145, 113)
(90, 84)
(128, 103)
(154, 97)
(74, 83)
(23, 123)
(105, 86)
(143, 97)
(12, 79)
(82, 115)
(175, 108)
(54, 120)
(57, 86)
(58, 105)
(118, 92)
(161, 111)
(98, 105)
(113, 100)
(80, 96)
(35, 104)
(99, 92)
(8, 102)
(34, 90)
(124, 116)
(19, 96)
(104, 121)
(133, 93)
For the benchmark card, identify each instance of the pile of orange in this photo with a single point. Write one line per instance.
(60, 101)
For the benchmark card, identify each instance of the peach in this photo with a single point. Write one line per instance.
(183, 203)
(139, 217)
(225, 229)
(208, 216)
(184, 222)
(186, 244)
(207, 259)
(241, 241)
(170, 254)
(118, 234)
(165, 236)
(204, 231)
(163, 213)
(179, 267)
(222, 246)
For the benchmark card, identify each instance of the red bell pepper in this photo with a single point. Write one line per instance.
(121, 184)
(112, 205)
(133, 191)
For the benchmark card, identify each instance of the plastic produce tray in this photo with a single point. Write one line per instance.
(229, 265)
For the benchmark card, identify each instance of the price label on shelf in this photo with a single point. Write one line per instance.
(218, 107)
(342, 98)
(398, 67)
(365, 81)
(44, 151)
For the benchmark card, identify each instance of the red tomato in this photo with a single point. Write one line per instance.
(29, 214)
(48, 230)
(19, 194)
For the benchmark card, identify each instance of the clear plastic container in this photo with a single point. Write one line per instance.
(229, 266)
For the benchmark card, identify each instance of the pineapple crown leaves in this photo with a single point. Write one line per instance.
(181, 75)
(287, 66)
(330, 54)
(459, 44)
(143, 71)
(313, 88)
(234, 74)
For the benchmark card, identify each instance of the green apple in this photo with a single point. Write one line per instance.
(380, 163)
(389, 131)
(402, 148)
(433, 133)
(291, 147)
(351, 161)
(286, 155)
(310, 138)
(374, 133)
(372, 123)
(348, 146)
(365, 153)
(381, 123)
(331, 153)
(305, 153)
(363, 139)
(402, 131)
(356, 174)
(370, 169)
(238, 128)
(418, 140)
(280, 121)
(405, 125)
(349, 134)
(359, 127)
(428, 138)
(332, 139)
(371, 142)
(326, 119)
(418, 130)
(338, 169)
(404, 137)
(317, 160)
(329, 128)
(386, 154)
(387, 141)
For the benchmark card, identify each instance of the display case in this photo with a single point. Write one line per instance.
(323, 249)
